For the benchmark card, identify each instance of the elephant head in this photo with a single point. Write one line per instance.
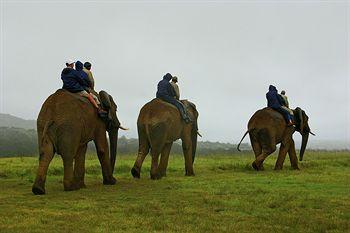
(302, 126)
(191, 108)
(112, 123)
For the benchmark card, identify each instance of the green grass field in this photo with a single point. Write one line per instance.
(226, 195)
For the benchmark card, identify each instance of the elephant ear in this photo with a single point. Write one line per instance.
(105, 100)
(112, 103)
(300, 119)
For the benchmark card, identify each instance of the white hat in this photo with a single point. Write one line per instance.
(70, 61)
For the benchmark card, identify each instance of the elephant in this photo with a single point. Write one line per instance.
(65, 124)
(159, 124)
(267, 128)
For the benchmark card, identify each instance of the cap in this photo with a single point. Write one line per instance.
(70, 61)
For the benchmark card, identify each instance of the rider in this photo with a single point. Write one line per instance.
(285, 103)
(87, 70)
(76, 81)
(166, 92)
(176, 87)
(274, 101)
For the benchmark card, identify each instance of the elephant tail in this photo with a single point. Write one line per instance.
(147, 133)
(245, 134)
(46, 127)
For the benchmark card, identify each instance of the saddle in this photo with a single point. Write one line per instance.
(79, 97)
(186, 103)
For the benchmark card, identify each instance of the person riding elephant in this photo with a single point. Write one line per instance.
(76, 81)
(87, 70)
(176, 87)
(167, 93)
(285, 103)
(275, 101)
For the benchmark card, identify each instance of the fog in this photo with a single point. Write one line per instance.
(225, 55)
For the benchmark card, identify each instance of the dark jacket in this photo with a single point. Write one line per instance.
(165, 88)
(274, 100)
(82, 74)
(73, 81)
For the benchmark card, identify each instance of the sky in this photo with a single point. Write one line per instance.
(224, 53)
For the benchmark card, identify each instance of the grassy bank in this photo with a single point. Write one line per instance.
(226, 195)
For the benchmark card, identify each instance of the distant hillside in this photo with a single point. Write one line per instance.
(7, 120)
(17, 141)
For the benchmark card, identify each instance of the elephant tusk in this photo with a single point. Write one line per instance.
(199, 134)
(121, 127)
(312, 133)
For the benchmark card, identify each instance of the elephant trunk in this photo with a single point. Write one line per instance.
(113, 142)
(194, 141)
(305, 138)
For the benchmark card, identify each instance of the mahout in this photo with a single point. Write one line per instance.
(267, 128)
(65, 124)
(159, 124)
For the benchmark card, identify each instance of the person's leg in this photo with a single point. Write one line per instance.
(89, 97)
(95, 98)
(285, 114)
(172, 101)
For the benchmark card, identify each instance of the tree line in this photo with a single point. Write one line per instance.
(24, 142)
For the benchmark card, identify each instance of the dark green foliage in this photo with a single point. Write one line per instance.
(19, 142)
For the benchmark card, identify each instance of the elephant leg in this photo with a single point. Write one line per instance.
(46, 154)
(79, 166)
(164, 159)
(101, 145)
(281, 156)
(257, 150)
(257, 164)
(142, 153)
(69, 183)
(154, 166)
(187, 150)
(292, 156)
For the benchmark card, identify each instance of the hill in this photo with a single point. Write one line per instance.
(7, 120)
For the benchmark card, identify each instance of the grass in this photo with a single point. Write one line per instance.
(226, 195)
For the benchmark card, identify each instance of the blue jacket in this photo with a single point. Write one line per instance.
(274, 100)
(165, 88)
(73, 80)
(83, 76)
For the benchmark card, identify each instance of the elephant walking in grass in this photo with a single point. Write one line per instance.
(66, 123)
(267, 128)
(159, 124)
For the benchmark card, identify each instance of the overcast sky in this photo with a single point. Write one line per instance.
(225, 55)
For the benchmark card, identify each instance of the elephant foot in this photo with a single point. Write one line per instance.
(82, 185)
(71, 188)
(189, 174)
(277, 168)
(296, 168)
(70, 185)
(256, 167)
(156, 176)
(38, 190)
(135, 173)
(110, 181)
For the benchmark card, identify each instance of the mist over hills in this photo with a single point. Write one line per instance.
(18, 137)
(7, 120)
